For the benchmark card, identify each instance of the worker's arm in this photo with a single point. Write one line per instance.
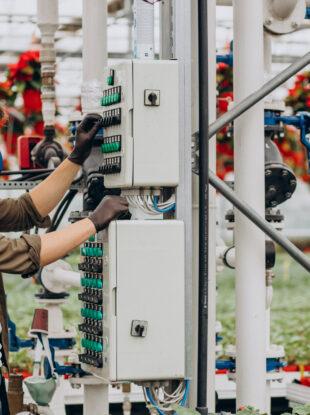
(56, 245)
(20, 215)
(48, 193)
(25, 255)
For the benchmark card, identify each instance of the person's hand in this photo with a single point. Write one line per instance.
(85, 135)
(111, 207)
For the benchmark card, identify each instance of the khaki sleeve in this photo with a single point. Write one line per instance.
(21, 255)
(20, 215)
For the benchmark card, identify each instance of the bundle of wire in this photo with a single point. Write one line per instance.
(164, 402)
(61, 209)
(151, 204)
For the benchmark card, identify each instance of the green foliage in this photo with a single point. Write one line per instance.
(249, 410)
(290, 310)
(179, 410)
(301, 409)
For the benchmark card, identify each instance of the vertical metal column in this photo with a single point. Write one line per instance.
(96, 399)
(249, 185)
(203, 305)
(96, 396)
(212, 211)
(269, 289)
(182, 34)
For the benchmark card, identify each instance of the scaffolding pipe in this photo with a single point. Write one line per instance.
(258, 220)
(258, 95)
(249, 162)
(203, 68)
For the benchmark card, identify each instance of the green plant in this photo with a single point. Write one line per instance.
(249, 410)
(180, 410)
(300, 410)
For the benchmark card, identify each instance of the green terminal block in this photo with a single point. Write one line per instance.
(91, 251)
(110, 80)
(110, 98)
(92, 345)
(94, 314)
(91, 283)
(111, 147)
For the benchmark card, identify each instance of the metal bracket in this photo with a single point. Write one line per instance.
(26, 185)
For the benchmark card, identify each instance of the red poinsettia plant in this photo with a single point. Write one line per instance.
(26, 72)
(7, 92)
(24, 77)
(299, 96)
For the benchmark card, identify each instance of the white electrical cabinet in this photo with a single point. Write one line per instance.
(141, 125)
(143, 302)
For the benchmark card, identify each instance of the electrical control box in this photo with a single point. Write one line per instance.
(133, 309)
(141, 120)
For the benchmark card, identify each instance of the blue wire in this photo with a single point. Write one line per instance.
(182, 403)
(150, 398)
(185, 397)
(155, 204)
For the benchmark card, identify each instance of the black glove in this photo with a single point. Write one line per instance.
(110, 207)
(85, 135)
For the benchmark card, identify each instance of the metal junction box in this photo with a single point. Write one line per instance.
(141, 121)
(143, 302)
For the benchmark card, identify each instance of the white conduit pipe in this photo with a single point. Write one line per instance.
(250, 186)
(58, 277)
(143, 30)
(48, 23)
(94, 25)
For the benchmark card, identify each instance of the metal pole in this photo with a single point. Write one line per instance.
(195, 209)
(203, 206)
(165, 29)
(268, 68)
(212, 211)
(182, 35)
(258, 95)
(258, 220)
(95, 58)
(249, 185)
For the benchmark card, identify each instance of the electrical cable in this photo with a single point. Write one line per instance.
(164, 405)
(31, 178)
(164, 210)
(65, 208)
(150, 205)
(30, 171)
(61, 210)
